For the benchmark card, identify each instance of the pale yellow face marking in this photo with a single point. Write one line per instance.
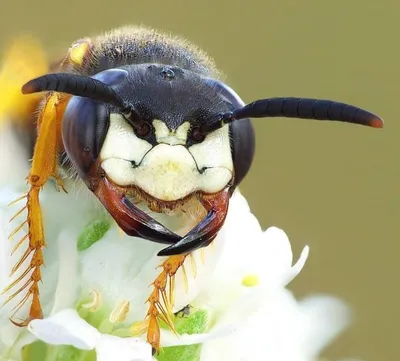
(168, 171)
(172, 137)
(121, 142)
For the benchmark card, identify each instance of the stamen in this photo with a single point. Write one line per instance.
(185, 278)
(193, 264)
(139, 328)
(96, 302)
(202, 255)
(171, 291)
(120, 312)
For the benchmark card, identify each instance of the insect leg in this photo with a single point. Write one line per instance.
(43, 167)
(160, 305)
(202, 235)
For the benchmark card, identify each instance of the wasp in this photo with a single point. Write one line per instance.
(145, 122)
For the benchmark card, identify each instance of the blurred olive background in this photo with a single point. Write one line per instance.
(330, 185)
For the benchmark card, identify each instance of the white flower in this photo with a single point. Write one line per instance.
(67, 328)
(117, 268)
(96, 282)
(246, 295)
(283, 329)
(13, 158)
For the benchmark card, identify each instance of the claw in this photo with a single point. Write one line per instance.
(59, 183)
(131, 219)
(205, 232)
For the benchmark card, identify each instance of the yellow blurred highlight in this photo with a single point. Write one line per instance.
(23, 60)
(250, 280)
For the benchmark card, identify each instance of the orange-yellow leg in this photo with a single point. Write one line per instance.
(160, 303)
(44, 166)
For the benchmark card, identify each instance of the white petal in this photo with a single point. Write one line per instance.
(170, 339)
(236, 316)
(122, 267)
(239, 201)
(11, 343)
(123, 349)
(259, 336)
(296, 269)
(7, 261)
(282, 329)
(272, 262)
(65, 294)
(239, 236)
(240, 226)
(277, 240)
(273, 258)
(5, 250)
(13, 157)
(326, 317)
(66, 328)
(51, 255)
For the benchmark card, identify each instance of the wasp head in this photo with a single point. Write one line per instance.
(166, 134)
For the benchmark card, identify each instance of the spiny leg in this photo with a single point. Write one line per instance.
(160, 304)
(202, 235)
(43, 167)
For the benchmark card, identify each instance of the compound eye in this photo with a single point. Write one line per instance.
(84, 128)
(241, 133)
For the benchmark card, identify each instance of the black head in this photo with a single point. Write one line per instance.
(158, 102)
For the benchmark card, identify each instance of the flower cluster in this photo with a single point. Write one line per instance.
(231, 301)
